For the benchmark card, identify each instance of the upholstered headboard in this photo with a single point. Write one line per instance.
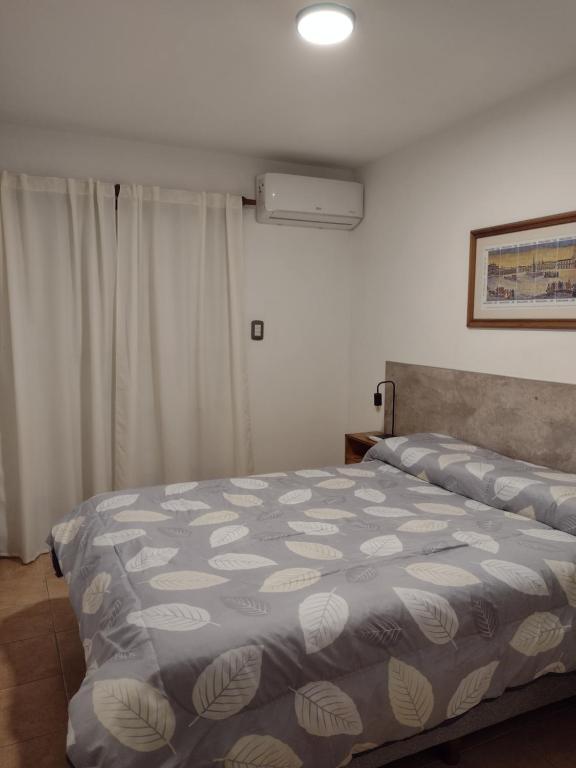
(523, 418)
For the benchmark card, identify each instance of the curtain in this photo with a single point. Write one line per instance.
(57, 283)
(181, 409)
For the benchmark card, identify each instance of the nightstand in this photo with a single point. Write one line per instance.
(358, 443)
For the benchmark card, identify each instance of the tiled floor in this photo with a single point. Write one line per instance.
(42, 665)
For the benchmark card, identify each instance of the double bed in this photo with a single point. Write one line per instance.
(320, 618)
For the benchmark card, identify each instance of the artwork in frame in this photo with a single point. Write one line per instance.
(523, 275)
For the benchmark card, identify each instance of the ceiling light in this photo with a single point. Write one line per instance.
(325, 23)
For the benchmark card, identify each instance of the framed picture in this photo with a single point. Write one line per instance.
(523, 275)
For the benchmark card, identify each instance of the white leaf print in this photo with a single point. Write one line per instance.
(336, 483)
(228, 684)
(459, 447)
(433, 614)
(370, 494)
(139, 516)
(227, 535)
(507, 488)
(172, 617)
(479, 469)
(298, 496)
(442, 575)
(215, 518)
(94, 594)
(513, 516)
(291, 580)
(184, 505)
(412, 456)
(538, 633)
(135, 713)
(178, 580)
(527, 512)
(177, 488)
(64, 533)
(549, 534)
(389, 469)
(561, 477)
(353, 472)
(70, 736)
(239, 561)
(471, 690)
(423, 476)
(411, 694)
(271, 474)
(478, 540)
(313, 473)
(150, 557)
(430, 490)
(452, 458)
(566, 574)
(562, 493)
(555, 668)
(249, 483)
(87, 647)
(118, 537)
(328, 514)
(323, 709)
(323, 616)
(388, 512)
(441, 509)
(477, 506)
(314, 550)
(519, 577)
(115, 502)
(423, 526)
(395, 442)
(313, 529)
(261, 752)
(243, 499)
(381, 546)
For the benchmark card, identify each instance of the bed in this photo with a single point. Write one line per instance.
(320, 618)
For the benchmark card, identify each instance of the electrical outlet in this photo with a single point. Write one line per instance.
(257, 330)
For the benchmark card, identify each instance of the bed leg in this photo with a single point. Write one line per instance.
(450, 752)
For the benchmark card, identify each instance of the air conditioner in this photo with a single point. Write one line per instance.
(304, 201)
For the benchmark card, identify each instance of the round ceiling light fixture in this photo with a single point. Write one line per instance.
(325, 23)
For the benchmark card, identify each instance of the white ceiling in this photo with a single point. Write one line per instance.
(233, 74)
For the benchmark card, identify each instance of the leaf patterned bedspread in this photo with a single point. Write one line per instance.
(296, 619)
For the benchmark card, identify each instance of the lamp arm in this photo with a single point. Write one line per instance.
(378, 397)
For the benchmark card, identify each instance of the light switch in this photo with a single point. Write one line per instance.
(257, 330)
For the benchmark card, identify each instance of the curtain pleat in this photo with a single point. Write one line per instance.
(181, 397)
(57, 266)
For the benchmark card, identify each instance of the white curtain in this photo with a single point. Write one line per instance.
(181, 409)
(57, 278)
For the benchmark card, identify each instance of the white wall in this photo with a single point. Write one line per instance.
(297, 282)
(411, 251)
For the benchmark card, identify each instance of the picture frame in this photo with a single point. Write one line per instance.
(523, 274)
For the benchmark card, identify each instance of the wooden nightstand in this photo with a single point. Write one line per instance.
(358, 443)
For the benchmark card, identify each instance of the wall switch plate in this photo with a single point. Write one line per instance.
(257, 330)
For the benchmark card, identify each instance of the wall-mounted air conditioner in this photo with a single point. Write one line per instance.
(305, 201)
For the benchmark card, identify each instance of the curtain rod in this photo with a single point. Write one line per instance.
(246, 201)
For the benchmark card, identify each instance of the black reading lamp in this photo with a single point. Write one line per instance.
(378, 398)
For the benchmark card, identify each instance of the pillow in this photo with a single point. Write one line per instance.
(530, 490)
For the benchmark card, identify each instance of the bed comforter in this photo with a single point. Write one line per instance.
(298, 618)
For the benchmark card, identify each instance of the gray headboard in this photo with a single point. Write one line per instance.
(526, 419)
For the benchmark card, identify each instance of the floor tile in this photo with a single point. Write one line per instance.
(22, 622)
(18, 592)
(43, 752)
(63, 616)
(32, 710)
(12, 567)
(23, 661)
(72, 659)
